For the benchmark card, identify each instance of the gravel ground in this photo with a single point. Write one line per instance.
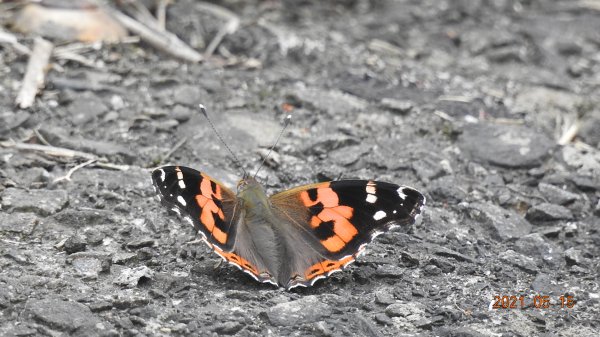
(464, 100)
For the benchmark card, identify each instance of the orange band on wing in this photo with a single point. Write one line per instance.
(326, 266)
(210, 209)
(340, 215)
(333, 243)
(240, 261)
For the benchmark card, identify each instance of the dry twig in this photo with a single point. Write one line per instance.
(232, 24)
(140, 12)
(6, 37)
(177, 146)
(67, 177)
(40, 137)
(161, 12)
(162, 40)
(62, 152)
(49, 150)
(35, 74)
(569, 133)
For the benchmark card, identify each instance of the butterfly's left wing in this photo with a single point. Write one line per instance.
(335, 220)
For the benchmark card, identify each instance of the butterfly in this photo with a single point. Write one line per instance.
(292, 238)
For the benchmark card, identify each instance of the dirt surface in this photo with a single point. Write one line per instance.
(464, 100)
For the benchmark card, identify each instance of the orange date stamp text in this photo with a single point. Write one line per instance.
(537, 301)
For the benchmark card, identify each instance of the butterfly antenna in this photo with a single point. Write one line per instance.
(287, 121)
(235, 158)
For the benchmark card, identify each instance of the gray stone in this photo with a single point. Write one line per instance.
(123, 258)
(427, 168)
(389, 271)
(573, 256)
(23, 223)
(100, 306)
(534, 245)
(442, 251)
(139, 243)
(327, 144)
(75, 243)
(546, 284)
(87, 267)
(188, 95)
(330, 101)
(228, 328)
(526, 263)
(505, 224)
(590, 130)
(557, 195)
(62, 315)
(181, 114)
(76, 218)
(585, 183)
(407, 314)
(383, 319)
(42, 202)
(130, 300)
(506, 146)
(396, 105)
(307, 309)
(568, 47)
(10, 120)
(384, 297)
(583, 161)
(445, 188)
(85, 108)
(548, 212)
(130, 277)
(32, 177)
(89, 264)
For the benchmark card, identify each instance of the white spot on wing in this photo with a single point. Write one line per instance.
(401, 193)
(181, 184)
(379, 215)
(162, 174)
(371, 198)
(371, 189)
(181, 200)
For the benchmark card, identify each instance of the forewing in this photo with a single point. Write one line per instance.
(204, 202)
(342, 216)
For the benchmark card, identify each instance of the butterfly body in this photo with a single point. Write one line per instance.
(292, 238)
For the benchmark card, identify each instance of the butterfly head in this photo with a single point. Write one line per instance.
(246, 183)
(253, 194)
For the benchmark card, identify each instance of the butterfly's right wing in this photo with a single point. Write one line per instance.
(202, 201)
